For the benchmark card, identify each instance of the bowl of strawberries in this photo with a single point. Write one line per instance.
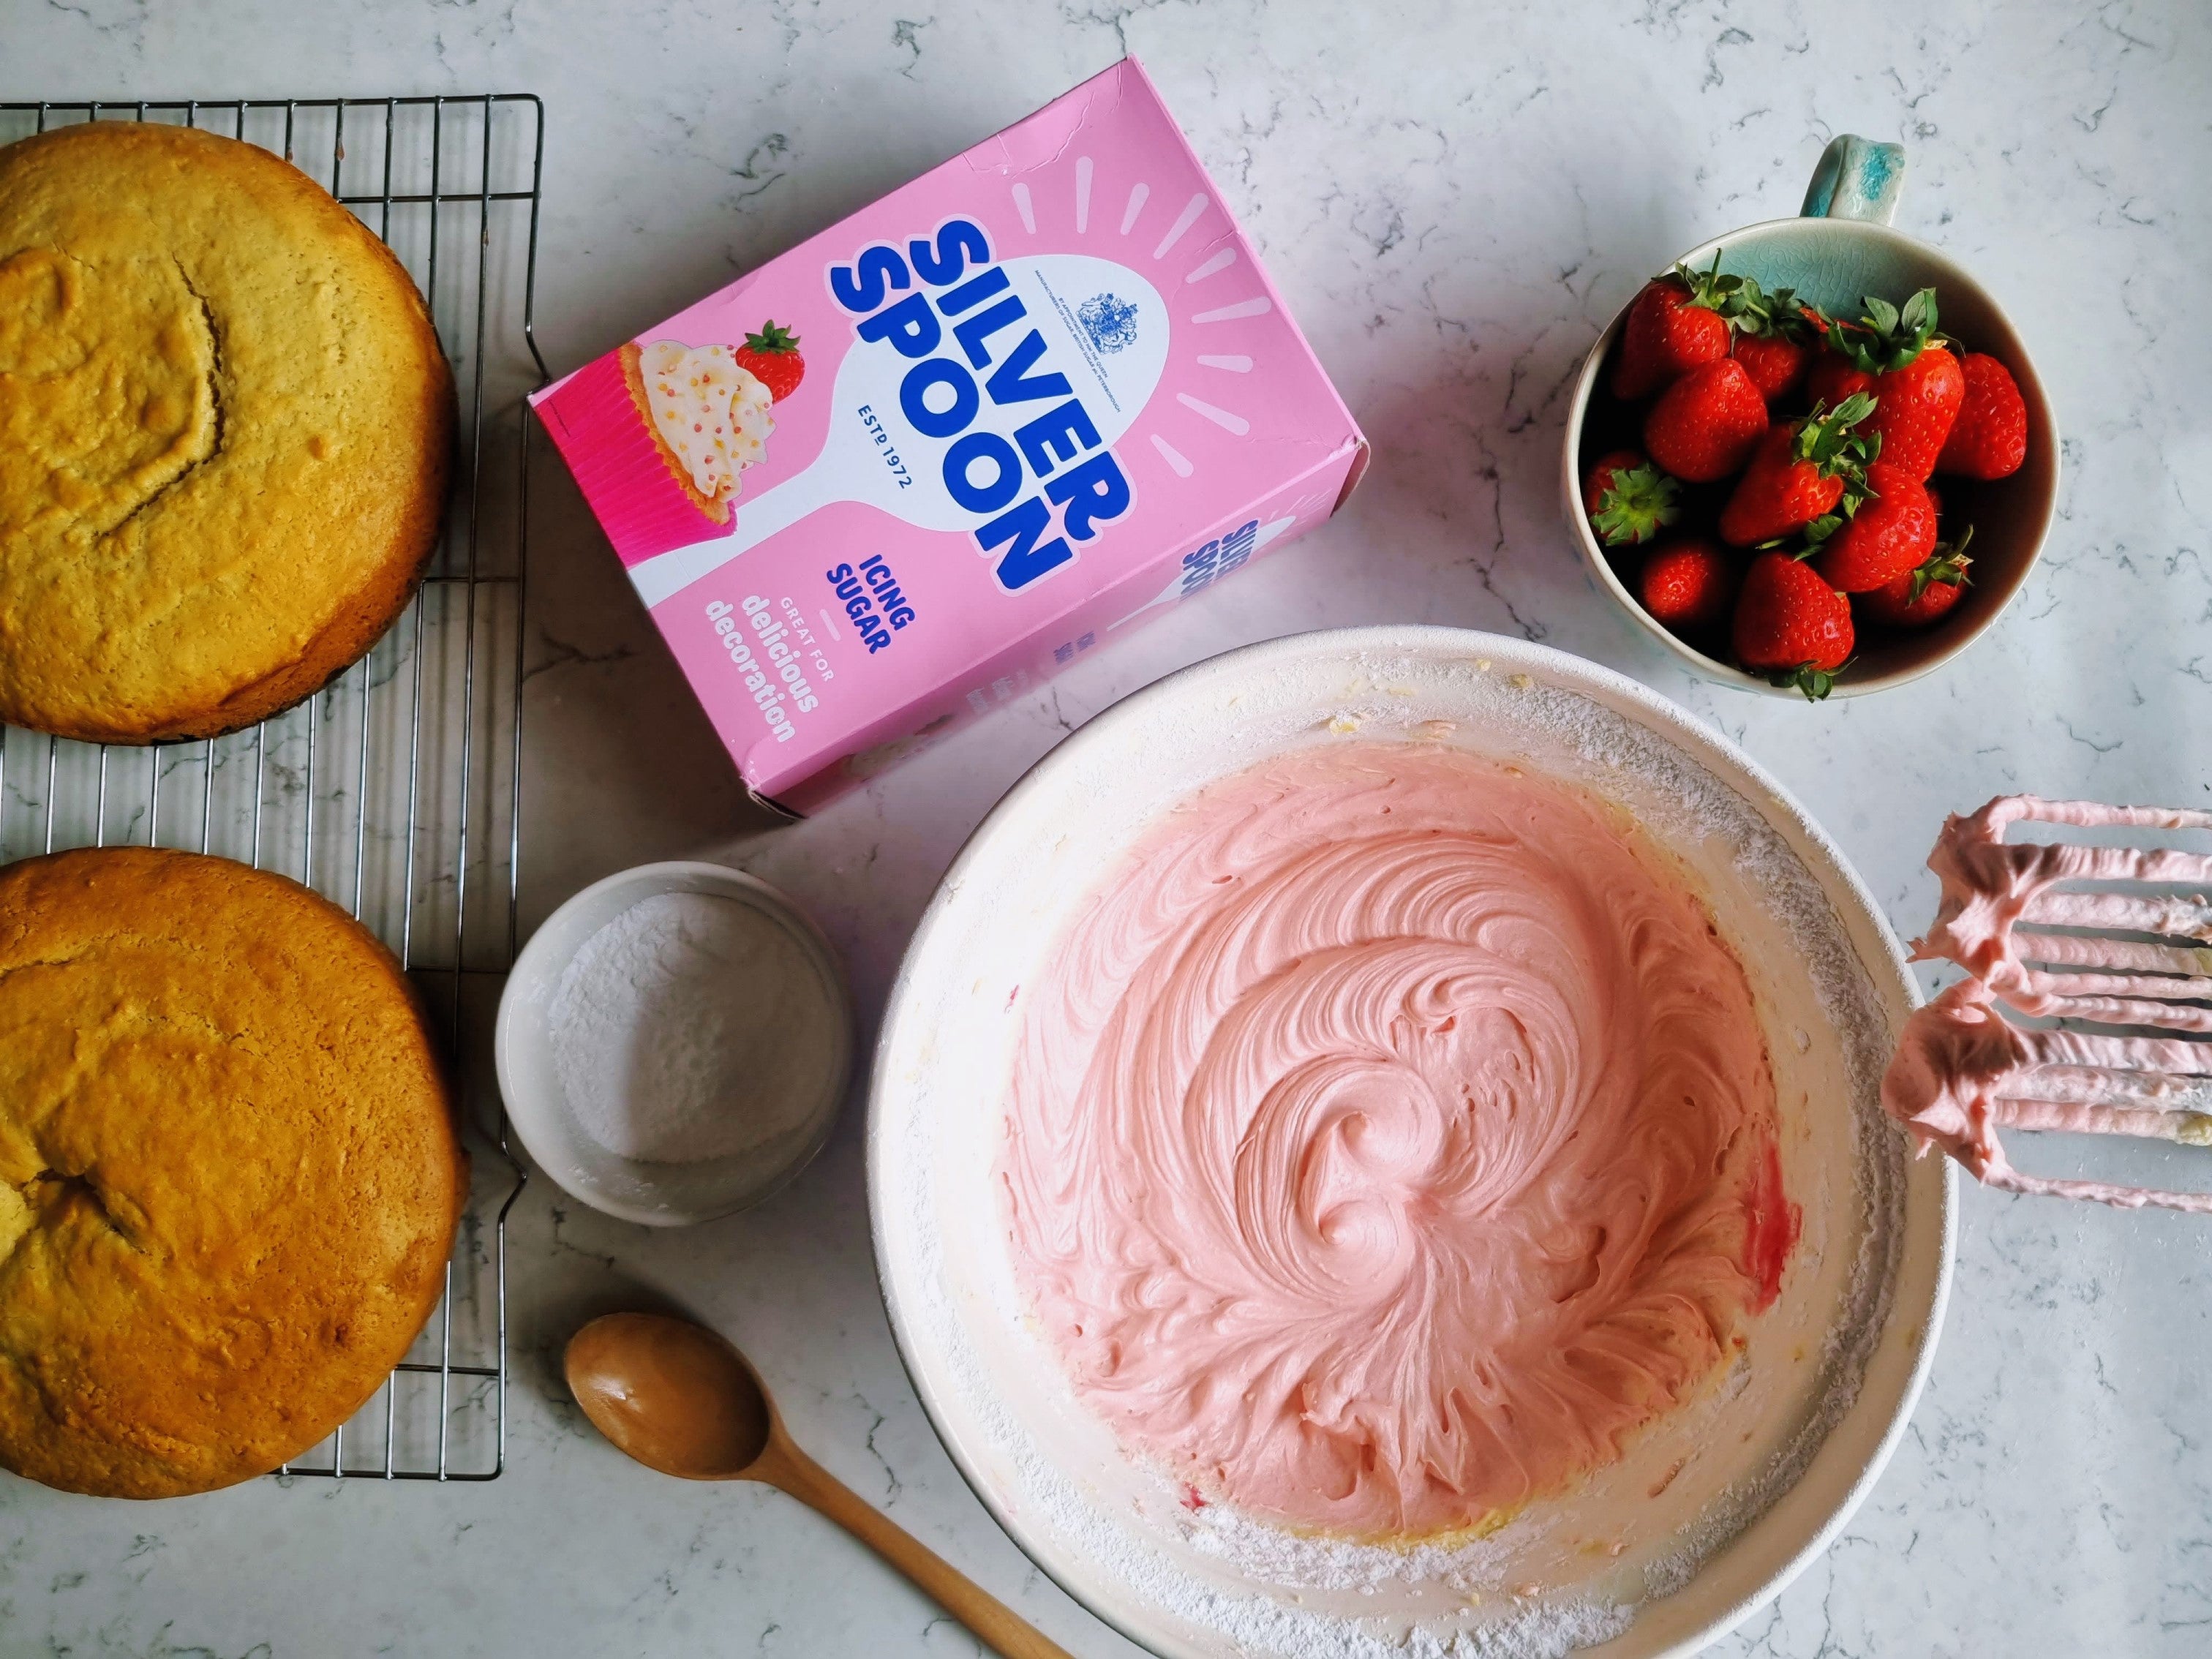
(1813, 458)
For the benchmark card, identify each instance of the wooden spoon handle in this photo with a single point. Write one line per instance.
(994, 1623)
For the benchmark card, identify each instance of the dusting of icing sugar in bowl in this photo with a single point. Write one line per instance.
(1197, 1037)
(692, 1026)
(674, 1041)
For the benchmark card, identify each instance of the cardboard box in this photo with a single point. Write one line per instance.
(1037, 396)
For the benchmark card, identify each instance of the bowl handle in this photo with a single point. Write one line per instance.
(1855, 179)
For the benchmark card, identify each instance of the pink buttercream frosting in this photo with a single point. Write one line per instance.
(1391, 1138)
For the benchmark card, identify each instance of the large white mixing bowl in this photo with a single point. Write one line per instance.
(1707, 1515)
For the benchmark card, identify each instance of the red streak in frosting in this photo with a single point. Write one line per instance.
(1380, 1141)
(1770, 1227)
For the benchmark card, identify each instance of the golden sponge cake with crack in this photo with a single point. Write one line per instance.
(229, 1171)
(225, 426)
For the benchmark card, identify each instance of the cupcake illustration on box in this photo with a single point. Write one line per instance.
(675, 426)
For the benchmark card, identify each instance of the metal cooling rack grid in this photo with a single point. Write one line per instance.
(396, 790)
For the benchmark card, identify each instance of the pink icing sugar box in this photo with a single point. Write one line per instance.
(930, 456)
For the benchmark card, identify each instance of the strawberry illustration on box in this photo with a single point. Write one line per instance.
(1052, 392)
(771, 357)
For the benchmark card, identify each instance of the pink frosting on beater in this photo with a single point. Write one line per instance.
(1989, 884)
(1391, 1138)
(1959, 1069)
(1962, 1071)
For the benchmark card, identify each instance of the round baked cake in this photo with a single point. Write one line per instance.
(225, 430)
(229, 1172)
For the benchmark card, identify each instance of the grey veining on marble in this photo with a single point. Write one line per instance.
(1454, 201)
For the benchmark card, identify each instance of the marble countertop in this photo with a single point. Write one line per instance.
(1453, 206)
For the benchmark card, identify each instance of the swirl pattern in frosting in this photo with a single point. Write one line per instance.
(1391, 1139)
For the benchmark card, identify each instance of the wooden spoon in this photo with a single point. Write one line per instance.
(678, 1398)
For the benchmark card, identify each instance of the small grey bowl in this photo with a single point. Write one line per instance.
(652, 1194)
(1839, 249)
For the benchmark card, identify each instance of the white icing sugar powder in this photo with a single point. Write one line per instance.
(692, 1027)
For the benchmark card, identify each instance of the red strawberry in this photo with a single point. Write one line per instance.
(1990, 438)
(1775, 334)
(1831, 378)
(1687, 585)
(1598, 480)
(1706, 424)
(1629, 501)
(1799, 471)
(1892, 530)
(1922, 595)
(1917, 387)
(1774, 363)
(1915, 408)
(1676, 322)
(771, 357)
(1790, 625)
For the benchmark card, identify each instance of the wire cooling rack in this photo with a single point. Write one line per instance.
(396, 790)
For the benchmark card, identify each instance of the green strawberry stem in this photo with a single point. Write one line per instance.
(1948, 563)
(1815, 683)
(1749, 308)
(773, 337)
(1888, 337)
(1780, 314)
(1814, 536)
(1826, 439)
(1709, 289)
(1637, 504)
